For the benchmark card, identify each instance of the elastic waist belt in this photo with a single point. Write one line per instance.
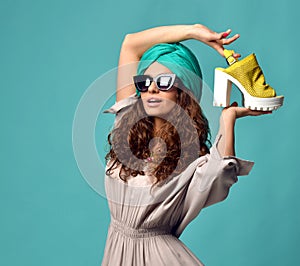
(139, 232)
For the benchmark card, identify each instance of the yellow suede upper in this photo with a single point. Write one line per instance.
(249, 74)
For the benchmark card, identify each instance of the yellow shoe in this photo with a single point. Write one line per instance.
(247, 75)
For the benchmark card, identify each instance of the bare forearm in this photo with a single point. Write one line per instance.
(226, 143)
(143, 40)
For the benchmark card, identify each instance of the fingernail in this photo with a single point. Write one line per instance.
(225, 34)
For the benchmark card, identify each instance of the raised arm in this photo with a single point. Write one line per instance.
(135, 44)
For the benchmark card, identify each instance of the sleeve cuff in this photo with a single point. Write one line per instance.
(118, 106)
(243, 167)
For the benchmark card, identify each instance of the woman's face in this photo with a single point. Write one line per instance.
(156, 102)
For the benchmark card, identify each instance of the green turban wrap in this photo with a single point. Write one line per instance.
(180, 60)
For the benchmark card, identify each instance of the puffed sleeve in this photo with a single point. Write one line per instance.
(120, 107)
(211, 182)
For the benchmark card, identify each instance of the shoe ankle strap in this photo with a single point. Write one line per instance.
(229, 57)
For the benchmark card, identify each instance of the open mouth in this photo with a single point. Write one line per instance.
(154, 100)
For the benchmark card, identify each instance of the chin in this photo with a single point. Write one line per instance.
(156, 113)
(162, 111)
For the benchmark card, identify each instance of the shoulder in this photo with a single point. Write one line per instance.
(122, 106)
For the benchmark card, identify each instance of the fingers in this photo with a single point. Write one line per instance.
(243, 111)
(221, 35)
(219, 39)
(235, 55)
(217, 46)
(256, 113)
(225, 34)
(219, 49)
(231, 39)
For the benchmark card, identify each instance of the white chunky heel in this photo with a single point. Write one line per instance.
(222, 89)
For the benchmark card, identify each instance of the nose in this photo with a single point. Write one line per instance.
(153, 88)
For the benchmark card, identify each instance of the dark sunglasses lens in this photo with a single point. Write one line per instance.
(164, 82)
(142, 83)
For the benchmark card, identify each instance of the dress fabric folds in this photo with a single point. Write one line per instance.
(146, 221)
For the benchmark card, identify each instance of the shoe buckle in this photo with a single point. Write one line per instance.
(231, 60)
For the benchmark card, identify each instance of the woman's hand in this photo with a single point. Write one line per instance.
(234, 111)
(213, 39)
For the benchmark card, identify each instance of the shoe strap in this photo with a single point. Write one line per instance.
(229, 57)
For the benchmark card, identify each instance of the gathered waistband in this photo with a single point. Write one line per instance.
(139, 232)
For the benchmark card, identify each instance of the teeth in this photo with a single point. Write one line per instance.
(153, 101)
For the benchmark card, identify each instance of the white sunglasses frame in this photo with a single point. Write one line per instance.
(172, 75)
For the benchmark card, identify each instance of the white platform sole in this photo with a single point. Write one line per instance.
(222, 90)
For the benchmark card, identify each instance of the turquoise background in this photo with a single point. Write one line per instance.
(51, 51)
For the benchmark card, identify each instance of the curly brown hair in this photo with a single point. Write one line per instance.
(185, 133)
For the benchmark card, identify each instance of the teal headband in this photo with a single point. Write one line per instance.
(180, 60)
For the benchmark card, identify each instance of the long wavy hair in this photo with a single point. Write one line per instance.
(185, 134)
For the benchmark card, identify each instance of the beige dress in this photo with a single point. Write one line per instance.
(146, 223)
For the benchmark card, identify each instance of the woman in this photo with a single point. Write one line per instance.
(161, 168)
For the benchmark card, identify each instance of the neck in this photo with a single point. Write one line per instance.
(158, 122)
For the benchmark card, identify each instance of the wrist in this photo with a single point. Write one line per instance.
(193, 31)
(228, 116)
(190, 32)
